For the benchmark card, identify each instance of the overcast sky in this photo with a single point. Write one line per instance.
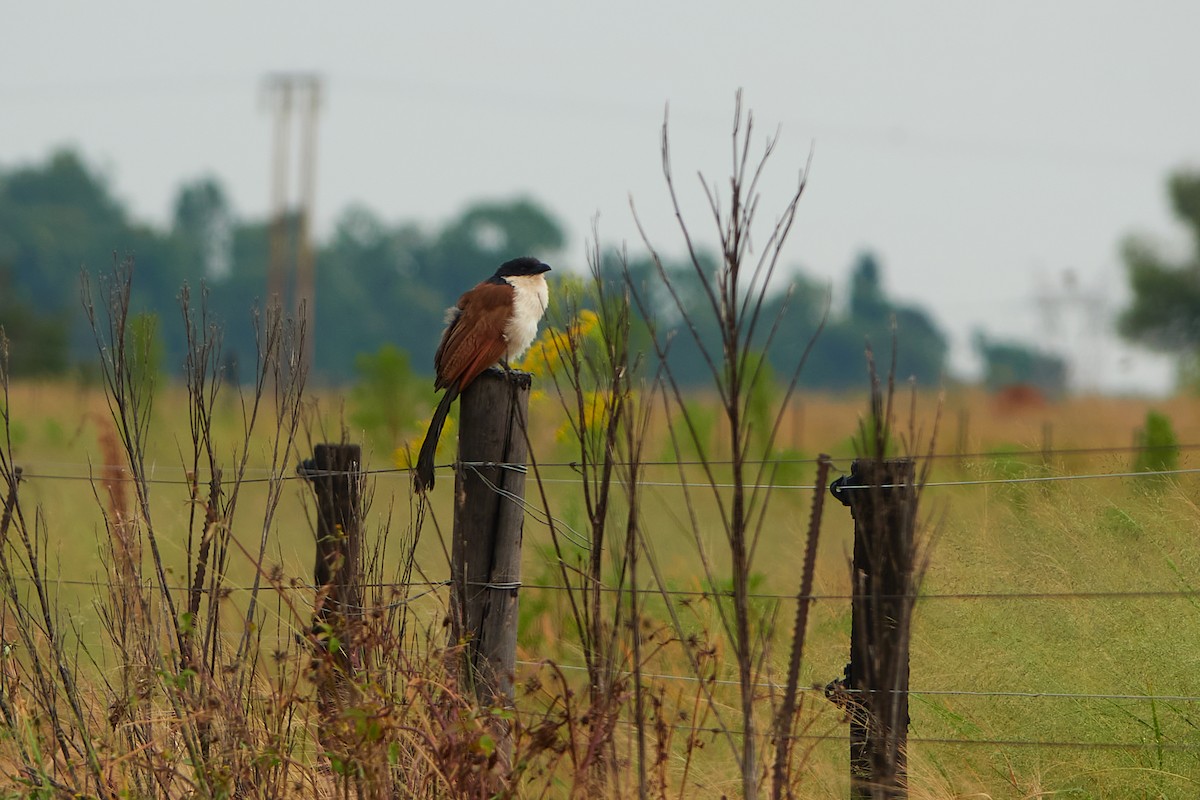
(981, 150)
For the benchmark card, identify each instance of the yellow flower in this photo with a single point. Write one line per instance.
(597, 408)
(405, 456)
(585, 323)
(546, 353)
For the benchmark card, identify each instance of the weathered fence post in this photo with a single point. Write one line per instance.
(489, 515)
(882, 498)
(335, 472)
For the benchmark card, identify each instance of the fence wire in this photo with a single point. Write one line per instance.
(112, 473)
(1025, 694)
(433, 586)
(1190, 747)
(120, 473)
(300, 586)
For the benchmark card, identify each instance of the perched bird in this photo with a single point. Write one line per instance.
(494, 322)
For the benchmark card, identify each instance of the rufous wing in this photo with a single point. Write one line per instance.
(474, 340)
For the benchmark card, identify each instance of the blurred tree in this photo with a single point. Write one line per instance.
(387, 400)
(364, 276)
(381, 283)
(204, 224)
(37, 343)
(1159, 446)
(57, 217)
(1007, 363)
(867, 302)
(235, 299)
(838, 360)
(471, 246)
(1165, 311)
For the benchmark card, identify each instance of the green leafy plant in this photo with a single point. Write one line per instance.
(1159, 447)
(385, 396)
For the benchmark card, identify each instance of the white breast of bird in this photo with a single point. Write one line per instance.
(530, 298)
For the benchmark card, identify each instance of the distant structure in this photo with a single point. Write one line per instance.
(291, 269)
(1075, 322)
(1018, 398)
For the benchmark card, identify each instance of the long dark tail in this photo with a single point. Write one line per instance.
(423, 477)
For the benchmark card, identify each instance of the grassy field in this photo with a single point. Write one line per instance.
(1071, 548)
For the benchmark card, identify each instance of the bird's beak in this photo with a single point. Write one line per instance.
(543, 267)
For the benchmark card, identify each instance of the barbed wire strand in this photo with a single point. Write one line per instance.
(574, 464)
(388, 472)
(577, 465)
(1116, 594)
(924, 692)
(433, 586)
(1064, 745)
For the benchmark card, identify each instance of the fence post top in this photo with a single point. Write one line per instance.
(896, 473)
(519, 378)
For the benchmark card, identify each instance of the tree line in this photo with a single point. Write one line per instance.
(380, 284)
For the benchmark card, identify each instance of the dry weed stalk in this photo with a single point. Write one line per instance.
(182, 717)
(735, 295)
(597, 383)
(41, 679)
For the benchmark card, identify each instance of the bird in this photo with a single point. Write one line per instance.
(495, 322)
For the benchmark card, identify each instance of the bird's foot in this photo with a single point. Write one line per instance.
(503, 370)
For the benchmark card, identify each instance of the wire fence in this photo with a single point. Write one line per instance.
(714, 594)
(1027, 694)
(432, 586)
(115, 473)
(1189, 747)
(102, 473)
(539, 516)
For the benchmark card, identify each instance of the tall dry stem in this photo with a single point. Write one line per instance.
(596, 380)
(733, 296)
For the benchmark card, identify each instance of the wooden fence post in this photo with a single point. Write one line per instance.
(882, 498)
(335, 472)
(489, 515)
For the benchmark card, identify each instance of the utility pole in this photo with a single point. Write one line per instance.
(291, 268)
